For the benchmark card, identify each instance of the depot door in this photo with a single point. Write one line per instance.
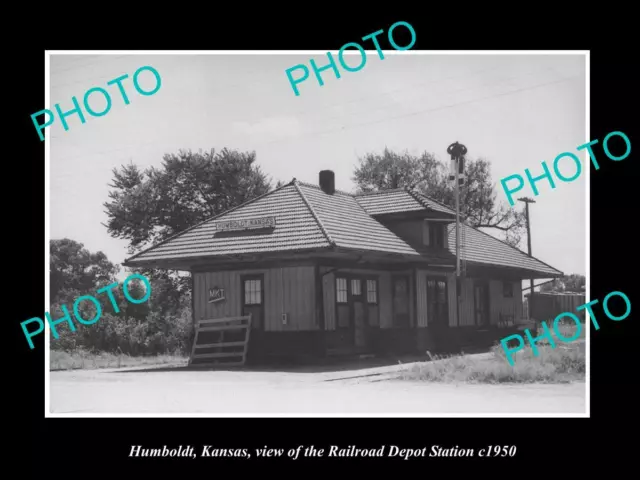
(352, 310)
(438, 311)
(253, 299)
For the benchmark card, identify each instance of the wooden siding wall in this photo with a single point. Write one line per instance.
(421, 282)
(291, 290)
(329, 293)
(506, 306)
(385, 300)
(414, 232)
(388, 291)
(451, 290)
(409, 230)
(549, 305)
(384, 295)
(498, 304)
(467, 304)
(286, 290)
(421, 292)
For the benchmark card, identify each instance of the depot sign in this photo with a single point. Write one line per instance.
(246, 224)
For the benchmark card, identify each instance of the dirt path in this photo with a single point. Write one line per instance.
(164, 390)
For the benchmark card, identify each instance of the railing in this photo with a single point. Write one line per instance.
(213, 333)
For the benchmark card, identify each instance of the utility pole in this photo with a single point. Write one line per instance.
(457, 152)
(527, 201)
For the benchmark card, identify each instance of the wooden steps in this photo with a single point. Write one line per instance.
(210, 347)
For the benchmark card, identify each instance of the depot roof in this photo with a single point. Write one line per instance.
(306, 218)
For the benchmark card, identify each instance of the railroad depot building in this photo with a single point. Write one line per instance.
(324, 272)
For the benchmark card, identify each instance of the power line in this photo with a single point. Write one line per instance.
(389, 92)
(365, 97)
(403, 88)
(385, 93)
(420, 112)
(491, 82)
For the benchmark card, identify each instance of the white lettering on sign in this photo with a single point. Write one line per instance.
(246, 224)
(216, 294)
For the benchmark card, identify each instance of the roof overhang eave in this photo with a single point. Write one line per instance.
(524, 273)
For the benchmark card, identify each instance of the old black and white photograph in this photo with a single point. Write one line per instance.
(312, 233)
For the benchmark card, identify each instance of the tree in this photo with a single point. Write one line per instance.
(478, 198)
(567, 283)
(161, 324)
(75, 271)
(150, 206)
(137, 311)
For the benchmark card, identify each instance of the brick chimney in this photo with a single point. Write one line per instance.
(328, 181)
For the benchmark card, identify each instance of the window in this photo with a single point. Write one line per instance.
(341, 290)
(436, 235)
(436, 290)
(433, 234)
(356, 287)
(343, 316)
(372, 291)
(507, 289)
(252, 292)
(437, 302)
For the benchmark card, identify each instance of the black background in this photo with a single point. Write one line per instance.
(78, 448)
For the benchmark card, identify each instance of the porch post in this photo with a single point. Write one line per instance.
(319, 310)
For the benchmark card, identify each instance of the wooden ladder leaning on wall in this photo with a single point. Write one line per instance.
(222, 326)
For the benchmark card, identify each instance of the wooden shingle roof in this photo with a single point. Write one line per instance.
(399, 200)
(389, 201)
(349, 225)
(432, 204)
(306, 218)
(309, 219)
(482, 248)
(296, 229)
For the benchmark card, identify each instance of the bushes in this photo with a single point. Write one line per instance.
(565, 363)
(81, 359)
(160, 324)
(117, 333)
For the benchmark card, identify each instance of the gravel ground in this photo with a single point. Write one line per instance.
(355, 390)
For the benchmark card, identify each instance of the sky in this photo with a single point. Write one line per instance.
(514, 110)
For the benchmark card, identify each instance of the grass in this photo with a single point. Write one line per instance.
(563, 364)
(82, 360)
(567, 330)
